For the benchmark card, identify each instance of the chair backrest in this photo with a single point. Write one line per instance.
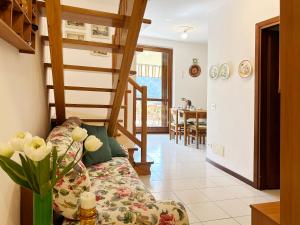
(200, 115)
(173, 115)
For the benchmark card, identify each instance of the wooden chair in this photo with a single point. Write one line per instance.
(198, 130)
(176, 127)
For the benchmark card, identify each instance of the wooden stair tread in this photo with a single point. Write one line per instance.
(95, 106)
(91, 16)
(90, 45)
(271, 210)
(89, 68)
(92, 120)
(92, 89)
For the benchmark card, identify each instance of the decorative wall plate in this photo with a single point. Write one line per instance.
(214, 72)
(245, 69)
(195, 69)
(224, 72)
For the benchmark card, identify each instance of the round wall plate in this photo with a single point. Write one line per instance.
(214, 72)
(224, 72)
(245, 69)
(195, 70)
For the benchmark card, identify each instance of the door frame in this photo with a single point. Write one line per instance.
(257, 151)
(169, 51)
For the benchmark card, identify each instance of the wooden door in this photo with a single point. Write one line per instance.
(267, 106)
(270, 110)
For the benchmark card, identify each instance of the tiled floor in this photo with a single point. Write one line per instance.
(211, 196)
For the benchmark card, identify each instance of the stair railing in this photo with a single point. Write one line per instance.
(142, 142)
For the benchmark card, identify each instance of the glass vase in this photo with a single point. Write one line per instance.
(42, 209)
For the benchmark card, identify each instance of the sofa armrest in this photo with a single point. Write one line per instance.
(171, 211)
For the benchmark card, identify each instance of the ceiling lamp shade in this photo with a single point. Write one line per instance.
(184, 35)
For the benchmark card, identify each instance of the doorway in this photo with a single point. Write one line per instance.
(154, 70)
(267, 106)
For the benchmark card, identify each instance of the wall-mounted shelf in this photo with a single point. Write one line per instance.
(16, 24)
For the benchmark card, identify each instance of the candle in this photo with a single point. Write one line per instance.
(88, 200)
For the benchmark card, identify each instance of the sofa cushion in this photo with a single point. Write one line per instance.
(66, 192)
(116, 149)
(104, 153)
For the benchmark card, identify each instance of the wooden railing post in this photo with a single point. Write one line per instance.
(144, 125)
(134, 112)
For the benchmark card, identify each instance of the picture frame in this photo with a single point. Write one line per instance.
(100, 53)
(100, 31)
(75, 35)
(75, 25)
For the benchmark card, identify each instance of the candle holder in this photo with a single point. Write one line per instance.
(88, 216)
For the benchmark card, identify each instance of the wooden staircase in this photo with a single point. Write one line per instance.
(127, 23)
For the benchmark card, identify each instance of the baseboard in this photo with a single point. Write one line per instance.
(234, 174)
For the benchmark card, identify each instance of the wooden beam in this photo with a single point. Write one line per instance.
(74, 88)
(137, 14)
(290, 112)
(92, 106)
(89, 68)
(91, 45)
(91, 16)
(56, 52)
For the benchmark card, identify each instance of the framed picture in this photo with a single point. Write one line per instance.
(99, 31)
(75, 35)
(100, 53)
(75, 25)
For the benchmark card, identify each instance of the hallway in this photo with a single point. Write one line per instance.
(211, 196)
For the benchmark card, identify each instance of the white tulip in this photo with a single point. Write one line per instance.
(6, 150)
(79, 134)
(92, 144)
(37, 149)
(19, 140)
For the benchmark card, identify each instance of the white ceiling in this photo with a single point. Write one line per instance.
(168, 15)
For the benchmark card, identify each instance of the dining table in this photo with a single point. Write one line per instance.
(187, 114)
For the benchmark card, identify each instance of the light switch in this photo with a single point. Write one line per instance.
(213, 107)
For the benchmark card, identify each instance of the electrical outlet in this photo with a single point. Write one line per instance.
(218, 149)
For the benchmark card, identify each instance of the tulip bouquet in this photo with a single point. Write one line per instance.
(41, 164)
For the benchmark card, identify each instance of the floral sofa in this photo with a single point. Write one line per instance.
(121, 196)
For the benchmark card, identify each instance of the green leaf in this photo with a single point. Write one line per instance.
(33, 169)
(18, 170)
(14, 176)
(66, 170)
(28, 173)
(54, 167)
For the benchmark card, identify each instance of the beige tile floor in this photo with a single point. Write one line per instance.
(211, 196)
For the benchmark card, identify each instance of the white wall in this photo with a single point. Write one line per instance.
(232, 39)
(23, 107)
(185, 86)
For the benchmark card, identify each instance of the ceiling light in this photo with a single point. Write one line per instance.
(185, 30)
(184, 35)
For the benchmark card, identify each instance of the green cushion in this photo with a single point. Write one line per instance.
(116, 149)
(104, 153)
